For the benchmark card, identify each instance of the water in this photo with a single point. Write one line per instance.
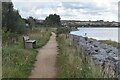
(98, 33)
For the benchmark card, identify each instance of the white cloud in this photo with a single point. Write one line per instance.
(61, 10)
(77, 9)
(38, 11)
(60, 4)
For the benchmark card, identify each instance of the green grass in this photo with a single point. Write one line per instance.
(41, 36)
(110, 42)
(17, 61)
(71, 62)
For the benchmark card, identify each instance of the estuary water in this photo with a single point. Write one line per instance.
(98, 33)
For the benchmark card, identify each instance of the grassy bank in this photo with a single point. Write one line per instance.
(110, 42)
(40, 35)
(71, 63)
(17, 61)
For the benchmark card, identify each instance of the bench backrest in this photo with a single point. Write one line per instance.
(25, 38)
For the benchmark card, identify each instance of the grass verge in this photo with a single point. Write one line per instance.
(70, 62)
(17, 62)
(40, 35)
(112, 43)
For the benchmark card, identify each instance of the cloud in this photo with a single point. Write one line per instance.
(83, 10)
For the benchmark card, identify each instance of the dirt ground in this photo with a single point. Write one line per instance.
(45, 66)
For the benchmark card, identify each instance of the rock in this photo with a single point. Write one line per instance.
(99, 52)
(93, 52)
(96, 44)
(86, 38)
(112, 54)
(103, 46)
(98, 62)
(99, 59)
(82, 40)
(108, 50)
(102, 52)
(91, 42)
(114, 59)
(114, 50)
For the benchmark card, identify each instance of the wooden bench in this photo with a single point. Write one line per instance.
(29, 43)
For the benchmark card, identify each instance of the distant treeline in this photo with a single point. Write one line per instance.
(53, 20)
(13, 22)
(78, 25)
(101, 23)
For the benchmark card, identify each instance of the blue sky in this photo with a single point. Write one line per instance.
(70, 9)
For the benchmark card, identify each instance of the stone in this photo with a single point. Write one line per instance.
(114, 50)
(108, 50)
(102, 52)
(112, 54)
(91, 42)
(86, 38)
(99, 52)
(99, 59)
(93, 52)
(104, 46)
(114, 59)
(96, 44)
(98, 62)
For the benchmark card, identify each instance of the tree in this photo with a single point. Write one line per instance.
(11, 18)
(52, 20)
(31, 22)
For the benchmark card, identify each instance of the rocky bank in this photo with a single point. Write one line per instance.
(102, 54)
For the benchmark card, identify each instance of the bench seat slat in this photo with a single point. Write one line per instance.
(30, 41)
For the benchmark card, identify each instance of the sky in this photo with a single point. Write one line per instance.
(83, 10)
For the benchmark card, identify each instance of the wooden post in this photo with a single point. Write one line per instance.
(23, 42)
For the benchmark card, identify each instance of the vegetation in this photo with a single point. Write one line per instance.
(71, 63)
(31, 22)
(63, 30)
(40, 35)
(109, 42)
(11, 19)
(17, 61)
(52, 20)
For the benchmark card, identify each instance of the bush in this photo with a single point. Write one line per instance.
(63, 30)
(9, 38)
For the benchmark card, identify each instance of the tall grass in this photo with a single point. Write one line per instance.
(40, 35)
(17, 62)
(71, 64)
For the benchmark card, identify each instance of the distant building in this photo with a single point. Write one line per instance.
(100, 20)
(89, 23)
